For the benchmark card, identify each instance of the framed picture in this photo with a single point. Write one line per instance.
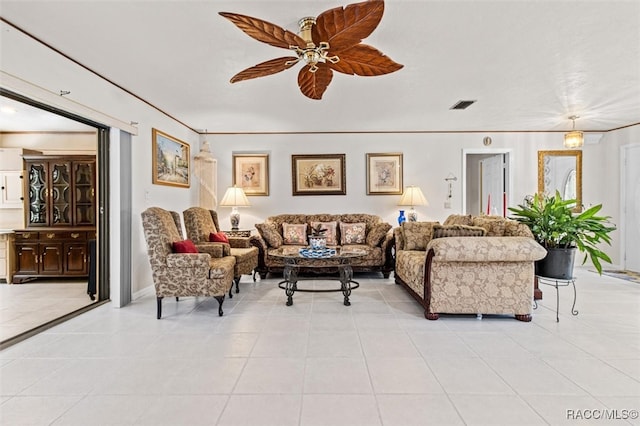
(170, 160)
(384, 174)
(251, 173)
(322, 174)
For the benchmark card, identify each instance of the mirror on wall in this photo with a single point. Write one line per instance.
(562, 171)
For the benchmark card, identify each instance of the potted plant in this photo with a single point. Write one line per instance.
(561, 231)
(318, 239)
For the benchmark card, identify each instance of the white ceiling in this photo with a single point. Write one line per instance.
(529, 64)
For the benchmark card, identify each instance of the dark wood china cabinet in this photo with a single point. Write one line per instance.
(60, 217)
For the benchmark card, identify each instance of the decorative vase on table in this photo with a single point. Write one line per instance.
(317, 242)
(401, 218)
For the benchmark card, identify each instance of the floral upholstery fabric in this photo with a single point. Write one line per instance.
(377, 233)
(294, 233)
(176, 274)
(417, 234)
(459, 219)
(200, 223)
(410, 268)
(471, 249)
(270, 233)
(352, 233)
(495, 226)
(482, 287)
(331, 231)
(443, 231)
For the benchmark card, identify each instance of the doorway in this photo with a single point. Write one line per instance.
(98, 276)
(486, 181)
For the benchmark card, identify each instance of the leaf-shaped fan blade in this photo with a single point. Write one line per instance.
(344, 28)
(264, 31)
(313, 84)
(266, 68)
(365, 60)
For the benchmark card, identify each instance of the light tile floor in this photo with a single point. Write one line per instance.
(377, 362)
(32, 304)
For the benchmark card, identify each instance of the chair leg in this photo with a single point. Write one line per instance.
(237, 281)
(220, 299)
(177, 299)
(159, 301)
(231, 292)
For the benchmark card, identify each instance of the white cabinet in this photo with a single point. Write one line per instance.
(6, 256)
(11, 190)
(11, 173)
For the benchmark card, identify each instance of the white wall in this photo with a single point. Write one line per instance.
(428, 157)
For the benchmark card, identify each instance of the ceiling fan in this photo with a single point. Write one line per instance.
(330, 42)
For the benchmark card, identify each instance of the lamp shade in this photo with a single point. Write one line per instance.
(234, 197)
(413, 196)
(574, 139)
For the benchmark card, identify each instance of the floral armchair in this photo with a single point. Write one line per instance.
(182, 274)
(200, 223)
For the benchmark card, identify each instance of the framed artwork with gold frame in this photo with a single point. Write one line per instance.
(170, 159)
(251, 173)
(384, 173)
(319, 174)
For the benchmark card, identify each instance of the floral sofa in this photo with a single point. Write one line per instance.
(468, 265)
(352, 230)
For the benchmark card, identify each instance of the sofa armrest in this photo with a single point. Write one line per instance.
(188, 260)
(261, 244)
(214, 250)
(485, 249)
(397, 234)
(388, 246)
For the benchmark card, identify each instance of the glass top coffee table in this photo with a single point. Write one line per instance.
(339, 259)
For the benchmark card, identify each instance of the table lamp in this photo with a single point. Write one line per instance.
(234, 198)
(413, 196)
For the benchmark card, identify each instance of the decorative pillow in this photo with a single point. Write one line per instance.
(218, 237)
(494, 225)
(377, 233)
(440, 231)
(417, 234)
(352, 233)
(185, 246)
(270, 234)
(294, 233)
(516, 229)
(459, 219)
(331, 232)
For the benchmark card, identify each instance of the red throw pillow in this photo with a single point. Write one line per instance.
(218, 237)
(185, 246)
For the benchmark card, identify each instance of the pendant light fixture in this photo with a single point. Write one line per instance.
(575, 138)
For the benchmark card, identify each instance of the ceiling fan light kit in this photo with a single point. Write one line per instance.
(330, 42)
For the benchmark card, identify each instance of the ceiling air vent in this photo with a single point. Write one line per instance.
(462, 105)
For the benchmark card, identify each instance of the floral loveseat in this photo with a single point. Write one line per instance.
(468, 265)
(352, 230)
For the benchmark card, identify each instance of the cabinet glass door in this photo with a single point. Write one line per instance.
(60, 193)
(84, 193)
(37, 214)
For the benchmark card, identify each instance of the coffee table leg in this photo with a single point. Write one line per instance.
(290, 275)
(346, 275)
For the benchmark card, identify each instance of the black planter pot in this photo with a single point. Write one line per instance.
(558, 263)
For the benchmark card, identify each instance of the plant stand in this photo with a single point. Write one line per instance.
(558, 282)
